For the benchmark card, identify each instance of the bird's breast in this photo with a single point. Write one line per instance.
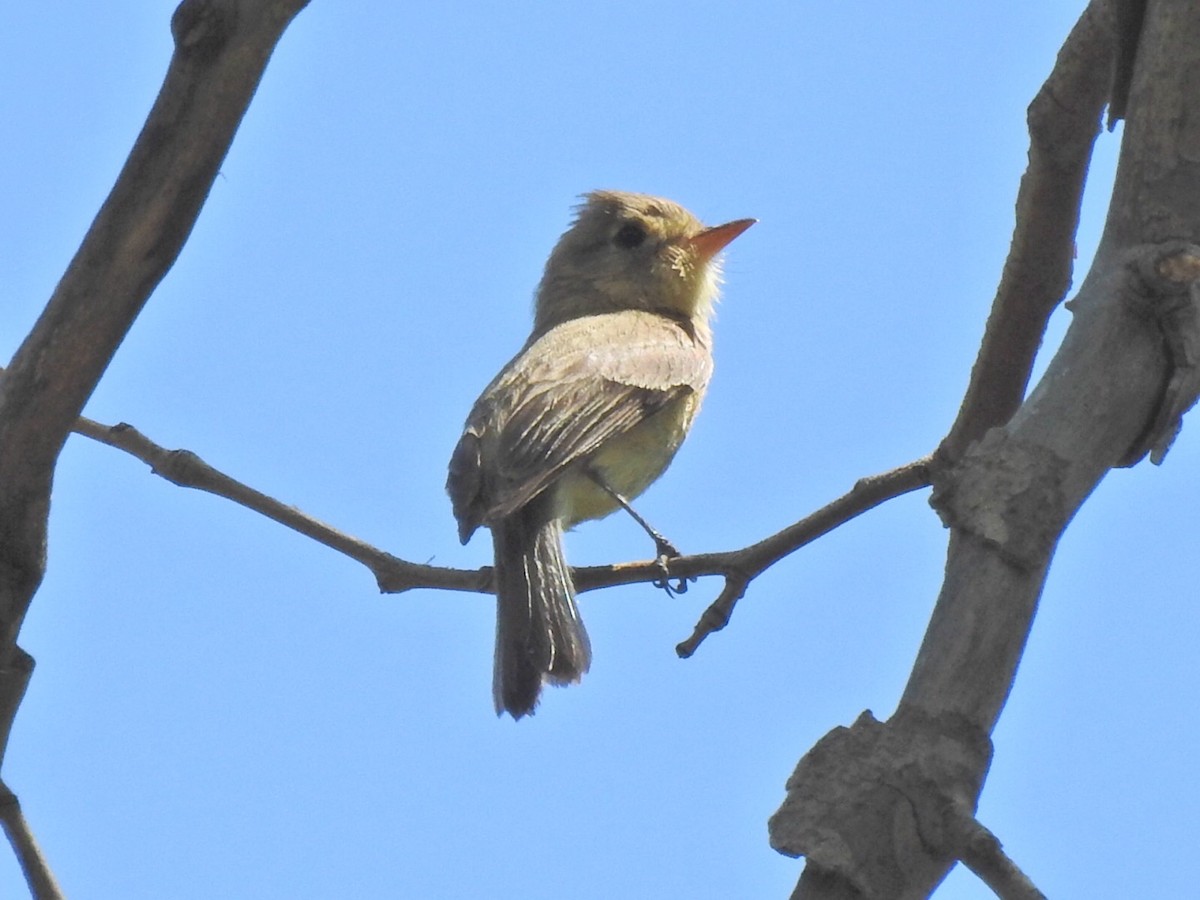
(629, 463)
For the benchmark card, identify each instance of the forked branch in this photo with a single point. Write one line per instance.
(395, 575)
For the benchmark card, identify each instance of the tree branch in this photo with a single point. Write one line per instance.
(743, 566)
(222, 47)
(1009, 477)
(982, 853)
(1128, 16)
(394, 575)
(1064, 120)
(41, 881)
(221, 50)
(185, 469)
(1008, 483)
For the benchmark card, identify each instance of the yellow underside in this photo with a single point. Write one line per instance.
(628, 464)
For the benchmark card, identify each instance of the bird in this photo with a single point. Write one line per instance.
(585, 417)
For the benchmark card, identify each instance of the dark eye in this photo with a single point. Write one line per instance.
(629, 236)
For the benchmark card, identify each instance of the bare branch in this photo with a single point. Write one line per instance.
(1064, 120)
(395, 575)
(186, 469)
(1007, 483)
(222, 47)
(41, 881)
(743, 566)
(981, 852)
(221, 50)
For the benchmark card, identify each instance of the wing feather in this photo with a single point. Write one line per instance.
(558, 402)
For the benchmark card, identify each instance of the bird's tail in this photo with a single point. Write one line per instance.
(539, 635)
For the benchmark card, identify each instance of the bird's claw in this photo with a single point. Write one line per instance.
(667, 552)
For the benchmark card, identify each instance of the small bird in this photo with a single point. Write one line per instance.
(585, 417)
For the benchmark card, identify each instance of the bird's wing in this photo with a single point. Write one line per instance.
(581, 384)
(464, 484)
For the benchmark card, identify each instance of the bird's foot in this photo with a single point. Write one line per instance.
(667, 552)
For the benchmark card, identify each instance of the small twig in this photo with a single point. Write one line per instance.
(41, 881)
(945, 821)
(981, 852)
(743, 566)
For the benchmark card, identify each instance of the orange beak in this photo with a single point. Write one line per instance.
(712, 241)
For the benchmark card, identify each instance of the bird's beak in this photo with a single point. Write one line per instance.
(712, 241)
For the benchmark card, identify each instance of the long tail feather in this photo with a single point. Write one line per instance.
(539, 635)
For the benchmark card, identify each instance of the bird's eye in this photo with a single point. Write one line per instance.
(630, 235)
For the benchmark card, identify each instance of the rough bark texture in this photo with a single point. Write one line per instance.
(873, 824)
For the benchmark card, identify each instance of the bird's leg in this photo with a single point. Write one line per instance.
(665, 550)
(663, 546)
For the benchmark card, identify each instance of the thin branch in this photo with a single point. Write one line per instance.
(41, 881)
(743, 566)
(395, 575)
(981, 852)
(221, 50)
(185, 469)
(1064, 120)
(947, 824)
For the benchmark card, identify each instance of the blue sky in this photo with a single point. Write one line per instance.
(222, 708)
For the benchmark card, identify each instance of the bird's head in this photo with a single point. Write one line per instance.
(633, 251)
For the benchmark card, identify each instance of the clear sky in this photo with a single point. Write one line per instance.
(222, 708)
